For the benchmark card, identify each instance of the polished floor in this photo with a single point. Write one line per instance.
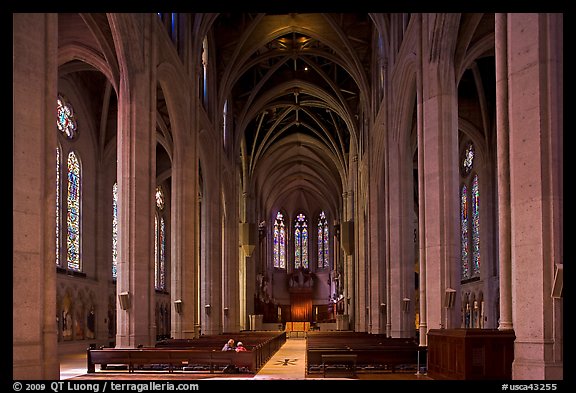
(288, 363)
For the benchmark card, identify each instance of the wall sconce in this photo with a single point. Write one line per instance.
(405, 304)
(178, 306)
(449, 297)
(207, 308)
(225, 311)
(124, 299)
(383, 308)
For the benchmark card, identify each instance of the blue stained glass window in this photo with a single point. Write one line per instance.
(162, 258)
(475, 227)
(279, 246)
(156, 253)
(301, 242)
(469, 216)
(320, 246)
(323, 242)
(159, 242)
(464, 231)
(73, 216)
(297, 255)
(58, 206)
(114, 229)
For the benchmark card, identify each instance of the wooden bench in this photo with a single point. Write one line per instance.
(373, 351)
(170, 357)
(346, 359)
(203, 352)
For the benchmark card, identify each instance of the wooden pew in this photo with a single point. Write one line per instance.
(370, 350)
(170, 357)
(346, 359)
(205, 351)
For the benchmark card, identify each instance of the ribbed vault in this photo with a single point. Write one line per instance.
(299, 86)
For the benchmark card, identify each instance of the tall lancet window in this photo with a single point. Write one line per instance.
(301, 242)
(205, 71)
(159, 242)
(323, 242)
(469, 216)
(73, 213)
(279, 252)
(58, 227)
(225, 124)
(114, 229)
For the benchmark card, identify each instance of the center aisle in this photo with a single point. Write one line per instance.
(289, 362)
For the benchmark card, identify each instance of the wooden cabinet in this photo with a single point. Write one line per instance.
(470, 353)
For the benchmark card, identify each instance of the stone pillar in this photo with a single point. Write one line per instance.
(247, 263)
(35, 73)
(230, 259)
(535, 107)
(503, 171)
(198, 306)
(184, 241)
(440, 170)
(211, 276)
(377, 246)
(401, 256)
(350, 278)
(136, 182)
(423, 325)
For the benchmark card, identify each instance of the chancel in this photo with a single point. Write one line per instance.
(377, 191)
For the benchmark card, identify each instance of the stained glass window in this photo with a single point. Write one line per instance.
(301, 242)
(323, 242)
(464, 231)
(66, 121)
(225, 124)
(162, 256)
(114, 229)
(468, 159)
(159, 198)
(279, 252)
(73, 216)
(159, 242)
(205, 70)
(58, 206)
(475, 226)
(469, 216)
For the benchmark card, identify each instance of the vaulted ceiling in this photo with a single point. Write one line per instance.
(298, 85)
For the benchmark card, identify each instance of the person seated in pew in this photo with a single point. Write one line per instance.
(240, 347)
(229, 346)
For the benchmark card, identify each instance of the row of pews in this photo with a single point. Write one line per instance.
(355, 351)
(197, 354)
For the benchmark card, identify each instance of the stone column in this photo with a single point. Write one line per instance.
(184, 241)
(423, 326)
(440, 170)
(348, 269)
(136, 182)
(211, 279)
(503, 170)
(401, 256)
(377, 244)
(247, 263)
(230, 259)
(535, 116)
(35, 73)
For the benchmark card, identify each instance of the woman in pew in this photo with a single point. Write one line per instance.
(229, 346)
(240, 347)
